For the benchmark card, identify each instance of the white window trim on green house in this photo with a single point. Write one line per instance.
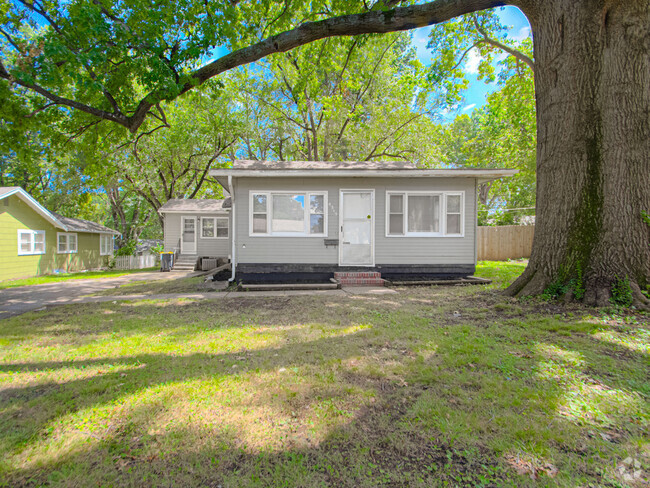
(441, 216)
(66, 238)
(34, 244)
(267, 214)
(217, 230)
(105, 244)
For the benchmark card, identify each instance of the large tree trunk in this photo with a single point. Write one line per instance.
(592, 81)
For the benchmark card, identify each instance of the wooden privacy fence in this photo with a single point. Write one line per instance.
(504, 242)
(135, 262)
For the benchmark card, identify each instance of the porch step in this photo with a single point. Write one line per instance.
(183, 267)
(185, 263)
(359, 278)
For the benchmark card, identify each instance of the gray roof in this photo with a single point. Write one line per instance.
(205, 205)
(80, 225)
(248, 164)
(350, 169)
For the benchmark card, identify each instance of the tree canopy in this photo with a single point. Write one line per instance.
(118, 61)
(84, 62)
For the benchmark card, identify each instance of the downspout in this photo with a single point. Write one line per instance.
(233, 248)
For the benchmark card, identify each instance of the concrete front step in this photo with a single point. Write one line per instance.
(359, 278)
(288, 286)
(362, 282)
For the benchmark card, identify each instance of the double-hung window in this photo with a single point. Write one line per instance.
(105, 244)
(66, 243)
(288, 213)
(453, 214)
(424, 214)
(214, 227)
(31, 242)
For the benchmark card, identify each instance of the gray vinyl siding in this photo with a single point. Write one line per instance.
(388, 250)
(204, 247)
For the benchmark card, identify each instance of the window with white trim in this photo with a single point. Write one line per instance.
(105, 244)
(396, 215)
(288, 214)
(31, 242)
(453, 216)
(214, 227)
(66, 243)
(424, 214)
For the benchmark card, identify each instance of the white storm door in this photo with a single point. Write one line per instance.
(188, 235)
(356, 242)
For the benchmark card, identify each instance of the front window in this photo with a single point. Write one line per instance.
(66, 243)
(424, 214)
(316, 214)
(214, 227)
(453, 217)
(31, 242)
(396, 215)
(260, 214)
(283, 213)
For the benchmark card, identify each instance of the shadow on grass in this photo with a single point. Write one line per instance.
(389, 414)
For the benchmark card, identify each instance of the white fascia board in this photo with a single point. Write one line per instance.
(37, 207)
(481, 174)
(225, 211)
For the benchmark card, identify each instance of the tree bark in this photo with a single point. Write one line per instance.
(592, 86)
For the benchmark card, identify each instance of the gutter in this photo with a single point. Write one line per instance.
(233, 260)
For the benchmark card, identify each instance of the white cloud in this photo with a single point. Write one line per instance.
(472, 60)
(523, 33)
(469, 107)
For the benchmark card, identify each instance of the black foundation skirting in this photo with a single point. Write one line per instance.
(319, 273)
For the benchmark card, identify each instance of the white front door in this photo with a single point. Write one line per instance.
(356, 242)
(188, 235)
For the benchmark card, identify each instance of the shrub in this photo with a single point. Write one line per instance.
(127, 249)
(555, 290)
(622, 292)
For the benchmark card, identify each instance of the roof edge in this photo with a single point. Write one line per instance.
(443, 173)
(37, 207)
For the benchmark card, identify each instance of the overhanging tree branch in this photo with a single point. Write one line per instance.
(504, 47)
(372, 22)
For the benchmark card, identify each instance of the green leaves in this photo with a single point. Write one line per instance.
(348, 98)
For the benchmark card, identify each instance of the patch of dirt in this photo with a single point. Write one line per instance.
(258, 303)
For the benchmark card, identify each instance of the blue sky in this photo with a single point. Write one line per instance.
(478, 89)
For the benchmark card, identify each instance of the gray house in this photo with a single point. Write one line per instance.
(309, 219)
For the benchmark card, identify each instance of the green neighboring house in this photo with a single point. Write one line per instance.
(35, 241)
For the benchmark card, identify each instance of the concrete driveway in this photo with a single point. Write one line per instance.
(15, 301)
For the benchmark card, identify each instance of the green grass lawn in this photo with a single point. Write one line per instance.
(41, 280)
(434, 386)
(156, 287)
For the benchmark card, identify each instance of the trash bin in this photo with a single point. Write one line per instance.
(166, 261)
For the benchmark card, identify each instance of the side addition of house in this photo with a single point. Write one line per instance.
(195, 228)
